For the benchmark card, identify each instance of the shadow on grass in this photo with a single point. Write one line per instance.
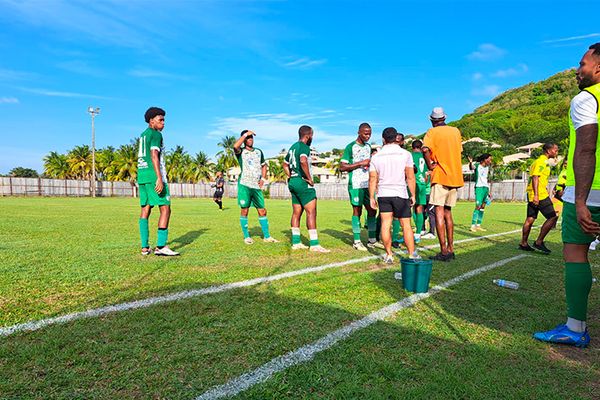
(182, 349)
(188, 238)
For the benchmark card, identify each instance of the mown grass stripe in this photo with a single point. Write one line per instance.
(306, 353)
(151, 301)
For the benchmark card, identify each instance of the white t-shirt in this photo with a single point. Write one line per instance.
(390, 163)
(482, 176)
(584, 111)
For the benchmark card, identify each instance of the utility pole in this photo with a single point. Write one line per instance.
(93, 112)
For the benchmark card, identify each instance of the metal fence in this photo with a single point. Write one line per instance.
(510, 190)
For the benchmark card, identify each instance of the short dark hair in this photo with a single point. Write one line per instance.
(596, 48)
(389, 135)
(244, 131)
(483, 157)
(153, 112)
(417, 144)
(364, 125)
(548, 146)
(304, 130)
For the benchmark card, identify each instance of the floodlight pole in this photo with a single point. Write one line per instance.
(93, 112)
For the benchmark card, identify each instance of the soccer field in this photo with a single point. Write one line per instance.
(61, 256)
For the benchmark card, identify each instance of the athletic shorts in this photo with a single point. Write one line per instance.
(443, 195)
(301, 192)
(250, 197)
(571, 230)
(421, 195)
(397, 205)
(481, 194)
(359, 197)
(545, 207)
(218, 194)
(149, 197)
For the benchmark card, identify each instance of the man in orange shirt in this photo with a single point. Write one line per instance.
(442, 149)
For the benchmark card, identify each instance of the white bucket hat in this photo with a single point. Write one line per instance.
(437, 113)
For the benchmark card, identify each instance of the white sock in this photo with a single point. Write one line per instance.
(576, 325)
(313, 235)
(296, 231)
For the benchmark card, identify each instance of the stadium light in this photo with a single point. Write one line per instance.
(93, 112)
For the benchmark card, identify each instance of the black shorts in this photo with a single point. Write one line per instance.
(545, 207)
(218, 194)
(397, 205)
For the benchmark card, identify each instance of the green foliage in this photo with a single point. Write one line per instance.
(316, 179)
(21, 172)
(536, 112)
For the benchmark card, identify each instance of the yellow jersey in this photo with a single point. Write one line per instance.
(541, 169)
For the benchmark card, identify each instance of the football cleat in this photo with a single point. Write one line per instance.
(270, 239)
(388, 259)
(562, 334)
(375, 245)
(248, 240)
(165, 251)
(146, 251)
(299, 246)
(359, 246)
(319, 249)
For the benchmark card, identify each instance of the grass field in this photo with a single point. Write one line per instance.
(472, 341)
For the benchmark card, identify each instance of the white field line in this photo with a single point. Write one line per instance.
(151, 301)
(307, 352)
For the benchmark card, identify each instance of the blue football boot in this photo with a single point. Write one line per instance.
(562, 334)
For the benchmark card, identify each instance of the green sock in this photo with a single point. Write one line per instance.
(372, 227)
(419, 222)
(578, 282)
(356, 228)
(480, 219)
(264, 225)
(395, 230)
(295, 235)
(244, 225)
(163, 235)
(475, 217)
(144, 234)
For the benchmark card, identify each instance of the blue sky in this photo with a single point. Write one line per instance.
(220, 67)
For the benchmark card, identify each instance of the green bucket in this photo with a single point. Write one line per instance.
(416, 274)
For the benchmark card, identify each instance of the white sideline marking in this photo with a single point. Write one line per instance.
(151, 301)
(307, 352)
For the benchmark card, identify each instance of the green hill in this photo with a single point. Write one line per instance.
(536, 112)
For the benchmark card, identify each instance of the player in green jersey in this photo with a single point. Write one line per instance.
(421, 187)
(252, 178)
(301, 185)
(482, 189)
(152, 181)
(355, 161)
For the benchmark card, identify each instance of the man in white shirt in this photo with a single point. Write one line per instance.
(581, 199)
(391, 173)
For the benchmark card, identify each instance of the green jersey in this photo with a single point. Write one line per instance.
(353, 153)
(292, 158)
(150, 140)
(251, 162)
(420, 168)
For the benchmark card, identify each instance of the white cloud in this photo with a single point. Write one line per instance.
(487, 52)
(503, 73)
(571, 38)
(81, 67)
(151, 73)
(477, 76)
(488, 91)
(56, 93)
(11, 75)
(277, 131)
(304, 63)
(9, 100)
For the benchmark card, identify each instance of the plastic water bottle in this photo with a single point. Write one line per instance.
(506, 284)
(398, 275)
(488, 201)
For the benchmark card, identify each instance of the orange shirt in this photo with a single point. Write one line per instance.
(445, 144)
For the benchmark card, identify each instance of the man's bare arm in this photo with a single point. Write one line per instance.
(306, 170)
(155, 156)
(584, 167)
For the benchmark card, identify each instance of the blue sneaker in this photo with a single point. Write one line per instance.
(562, 334)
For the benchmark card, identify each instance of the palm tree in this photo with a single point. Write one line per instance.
(200, 168)
(105, 163)
(334, 165)
(175, 161)
(226, 158)
(276, 171)
(56, 166)
(125, 162)
(80, 162)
